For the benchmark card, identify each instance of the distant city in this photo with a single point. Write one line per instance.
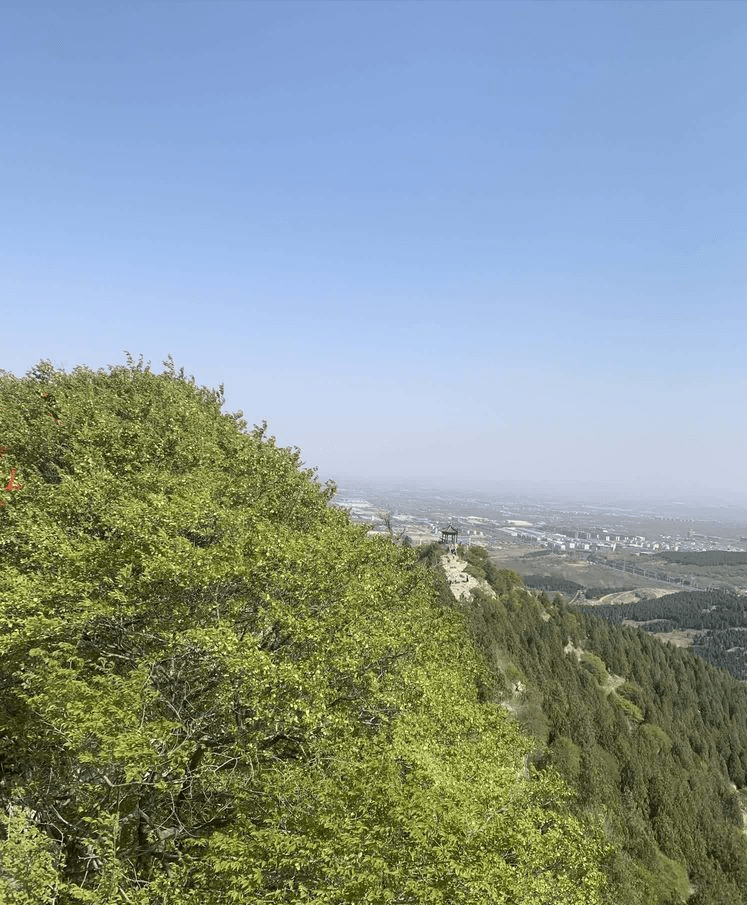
(421, 512)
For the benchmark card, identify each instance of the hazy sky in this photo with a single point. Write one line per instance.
(474, 240)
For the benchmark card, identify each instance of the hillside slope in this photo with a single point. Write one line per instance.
(716, 621)
(215, 689)
(653, 738)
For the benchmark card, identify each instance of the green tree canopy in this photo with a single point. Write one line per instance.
(216, 689)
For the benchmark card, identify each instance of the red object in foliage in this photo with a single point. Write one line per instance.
(11, 485)
(10, 482)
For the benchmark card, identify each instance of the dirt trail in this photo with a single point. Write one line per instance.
(462, 585)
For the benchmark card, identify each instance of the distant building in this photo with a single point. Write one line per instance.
(449, 536)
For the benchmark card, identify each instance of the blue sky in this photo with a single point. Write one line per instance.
(490, 241)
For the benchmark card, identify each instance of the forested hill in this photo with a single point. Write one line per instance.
(651, 736)
(718, 620)
(216, 690)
